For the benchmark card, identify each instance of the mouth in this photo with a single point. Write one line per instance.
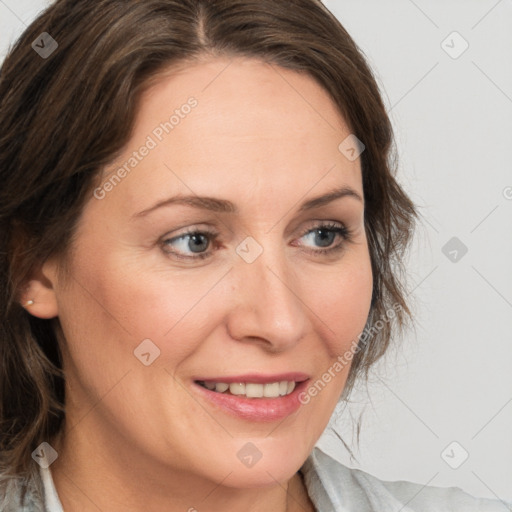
(254, 397)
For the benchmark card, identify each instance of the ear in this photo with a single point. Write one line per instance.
(38, 296)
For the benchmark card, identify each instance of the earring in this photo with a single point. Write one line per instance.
(28, 303)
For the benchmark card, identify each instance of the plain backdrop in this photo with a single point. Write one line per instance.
(438, 410)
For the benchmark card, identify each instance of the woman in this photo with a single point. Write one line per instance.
(201, 235)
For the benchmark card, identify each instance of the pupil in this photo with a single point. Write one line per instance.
(197, 243)
(323, 239)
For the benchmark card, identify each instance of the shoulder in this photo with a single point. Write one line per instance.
(21, 494)
(335, 487)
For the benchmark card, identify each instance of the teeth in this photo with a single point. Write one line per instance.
(271, 390)
(252, 390)
(237, 388)
(220, 387)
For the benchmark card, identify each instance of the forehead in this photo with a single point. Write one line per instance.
(221, 124)
(243, 93)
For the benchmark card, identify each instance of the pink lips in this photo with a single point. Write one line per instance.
(255, 409)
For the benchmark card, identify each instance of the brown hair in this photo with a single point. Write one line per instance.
(66, 116)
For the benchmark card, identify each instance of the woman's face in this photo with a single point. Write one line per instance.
(149, 312)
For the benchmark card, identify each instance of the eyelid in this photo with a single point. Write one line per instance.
(316, 224)
(198, 228)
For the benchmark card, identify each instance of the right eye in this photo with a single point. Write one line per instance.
(195, 241)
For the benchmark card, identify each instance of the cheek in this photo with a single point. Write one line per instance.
(121, 303)
(341, 302)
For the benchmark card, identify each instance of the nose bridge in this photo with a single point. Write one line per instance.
(267, 304)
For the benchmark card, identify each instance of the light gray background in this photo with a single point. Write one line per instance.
(451, 380)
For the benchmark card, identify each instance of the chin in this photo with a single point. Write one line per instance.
(261, 477)
(261, 464)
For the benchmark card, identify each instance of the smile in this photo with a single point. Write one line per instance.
(253, 397)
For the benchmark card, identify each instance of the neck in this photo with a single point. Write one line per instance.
(95, 472)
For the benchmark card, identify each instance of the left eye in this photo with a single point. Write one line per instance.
(325, 236)
(198, 241)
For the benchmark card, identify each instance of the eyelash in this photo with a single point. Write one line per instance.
(338, 229)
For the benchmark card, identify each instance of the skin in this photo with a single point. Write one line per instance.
(139, 437)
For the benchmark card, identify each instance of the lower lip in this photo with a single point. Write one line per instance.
(255, 409)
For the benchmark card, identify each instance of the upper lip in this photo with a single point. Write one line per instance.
(258, 378)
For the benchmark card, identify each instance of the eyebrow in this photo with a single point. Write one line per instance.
(224, 206)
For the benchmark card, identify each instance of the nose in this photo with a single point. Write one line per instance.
(267, 306)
